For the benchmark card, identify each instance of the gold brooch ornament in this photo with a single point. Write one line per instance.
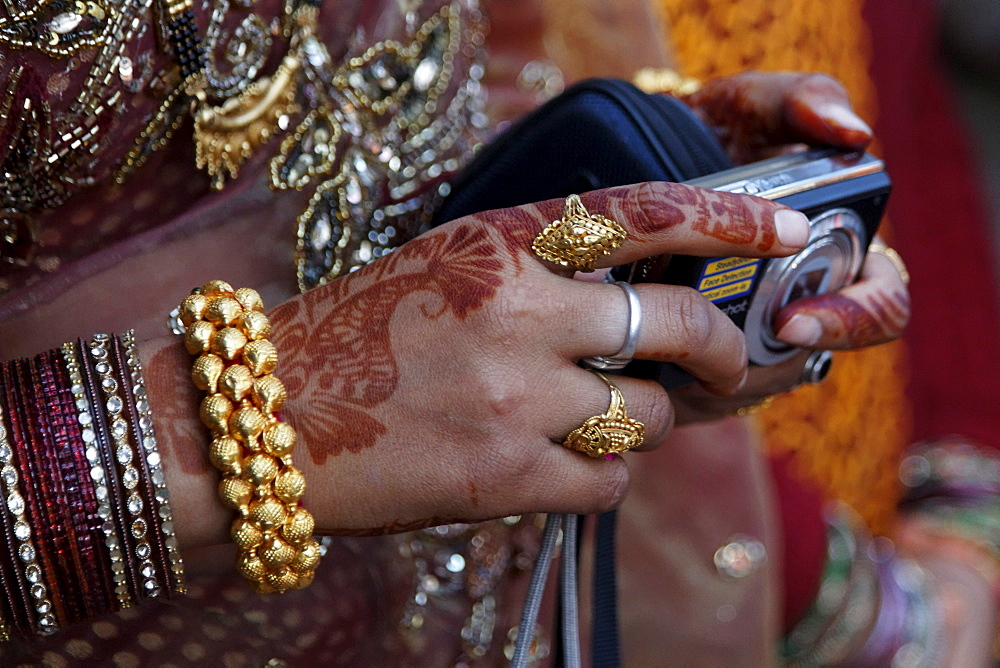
(226, 136)
(579, 238)
(612, 432)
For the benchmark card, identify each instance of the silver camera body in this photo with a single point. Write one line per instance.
(843, 194)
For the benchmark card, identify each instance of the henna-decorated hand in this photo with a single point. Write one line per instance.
(874, 310)
(436, 384)
(871, 311)
(760, 114)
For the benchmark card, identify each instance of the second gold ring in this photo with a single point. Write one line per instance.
(612, 432)
(889, 253)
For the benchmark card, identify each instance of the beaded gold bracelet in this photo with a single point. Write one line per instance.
(251, 446)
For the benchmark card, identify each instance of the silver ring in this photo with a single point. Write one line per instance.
(817, 366)
(621, 358)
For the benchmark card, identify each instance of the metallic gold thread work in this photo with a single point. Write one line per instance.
(228, 135)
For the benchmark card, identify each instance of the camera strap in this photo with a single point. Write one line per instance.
(604, 641)
(604, 635)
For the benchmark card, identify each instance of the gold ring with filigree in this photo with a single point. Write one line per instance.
(579, 238)
(612, 432)
(892, 256)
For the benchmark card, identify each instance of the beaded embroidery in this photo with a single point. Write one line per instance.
(380, 134)
(16, 506)
(371, 136)
(386, 126)
(46, 156)
(57, 27)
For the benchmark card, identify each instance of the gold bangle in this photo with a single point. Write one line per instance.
(665, 80)
(252, 448)
(891, 255)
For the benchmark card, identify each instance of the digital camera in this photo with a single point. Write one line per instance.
(843, 194)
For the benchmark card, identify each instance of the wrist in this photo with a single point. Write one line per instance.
(199, 518)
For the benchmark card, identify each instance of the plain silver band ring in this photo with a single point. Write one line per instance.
(621, 358)
(817, 366)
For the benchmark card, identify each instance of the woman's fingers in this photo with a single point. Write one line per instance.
(645, 401)
(872, 311)
(753, 111)
(662, 217)
(561, 480)
(693, 404)
(677, 325)
(816, 110)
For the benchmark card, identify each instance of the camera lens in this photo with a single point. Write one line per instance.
(830, 260)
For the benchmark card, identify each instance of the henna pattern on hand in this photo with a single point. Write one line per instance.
(754, 111)
(337, 356)
(655, 207)
(733, 219)
(473, 494)
(881, 319)
(175, 403)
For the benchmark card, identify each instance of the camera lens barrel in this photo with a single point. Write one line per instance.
(830, 261)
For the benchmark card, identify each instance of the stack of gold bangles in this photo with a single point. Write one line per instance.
(228, 331)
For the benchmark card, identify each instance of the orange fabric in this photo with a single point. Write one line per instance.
(846, 434)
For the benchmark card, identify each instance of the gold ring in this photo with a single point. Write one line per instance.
(612, 432)
(891, 255)
(578, 238)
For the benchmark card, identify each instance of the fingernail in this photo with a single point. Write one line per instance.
(842, 116)
(801, 330)
(743, 381)
(792, 228)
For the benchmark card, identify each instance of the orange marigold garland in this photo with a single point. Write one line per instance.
(848, 433)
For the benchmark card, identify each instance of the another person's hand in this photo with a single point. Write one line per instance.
(871, 311)
(757, 115)
(436, 384)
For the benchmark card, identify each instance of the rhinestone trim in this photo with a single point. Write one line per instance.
(149, 449)
(97, 473)
(124, 455)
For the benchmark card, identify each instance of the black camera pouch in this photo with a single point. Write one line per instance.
(597, 134)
